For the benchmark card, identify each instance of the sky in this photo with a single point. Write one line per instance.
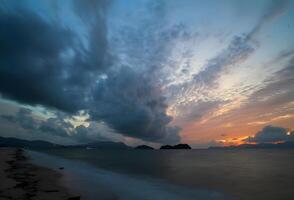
(207, 73)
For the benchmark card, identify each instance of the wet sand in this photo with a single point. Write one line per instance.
(20, 180)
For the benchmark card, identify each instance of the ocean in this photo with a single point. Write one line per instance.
(247, 174)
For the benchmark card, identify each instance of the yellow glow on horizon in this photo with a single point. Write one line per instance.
(234, 141)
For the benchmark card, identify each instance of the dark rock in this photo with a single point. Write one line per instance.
(144, 147)
(74, 198)
(178, 146)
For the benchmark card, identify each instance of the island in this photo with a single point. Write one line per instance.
(178, 146)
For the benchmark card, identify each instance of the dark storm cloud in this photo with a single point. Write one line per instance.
(129, 100)
(129, 103)
(271, 134)
(93, 14)
(42, 63)
(31, 70)
(138, 85)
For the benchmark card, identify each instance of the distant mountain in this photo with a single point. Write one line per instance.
(284, 145)
(144, 147)
(19, 143)
(178, 146)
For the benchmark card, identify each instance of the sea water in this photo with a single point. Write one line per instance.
(174, 174)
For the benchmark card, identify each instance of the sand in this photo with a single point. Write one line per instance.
(20, 180)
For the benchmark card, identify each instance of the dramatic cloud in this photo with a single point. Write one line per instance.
(237, 51)
(93, 15)
(197, 92)
(271, 134)
(139, 68)
(58, 125)
(44, 63)
(129, 103)
(279, 89)
(94, 132)
(276, 95)
(24, 118)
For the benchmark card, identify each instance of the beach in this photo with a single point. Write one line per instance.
(21, 180)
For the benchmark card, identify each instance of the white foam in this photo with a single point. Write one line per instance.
(94, 183)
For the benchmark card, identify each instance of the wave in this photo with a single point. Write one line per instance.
(94, 183)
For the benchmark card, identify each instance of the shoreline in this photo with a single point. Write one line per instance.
(20, 179)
